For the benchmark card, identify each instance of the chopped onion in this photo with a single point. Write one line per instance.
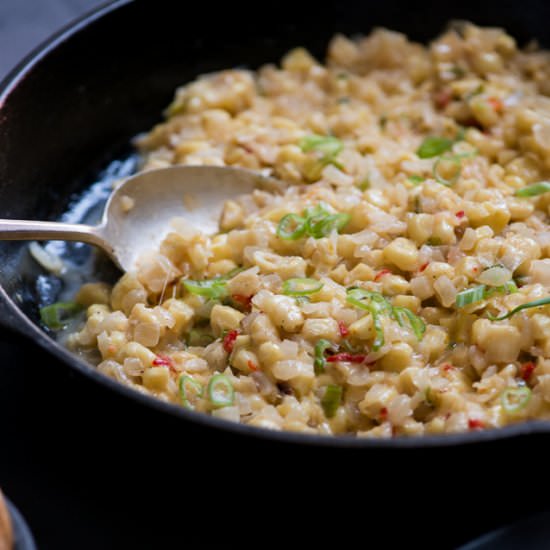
(494, 276)
(445, 290)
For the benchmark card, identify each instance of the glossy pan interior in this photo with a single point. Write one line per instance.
(77, 101)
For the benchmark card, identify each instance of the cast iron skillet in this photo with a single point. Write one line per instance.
(77, 100)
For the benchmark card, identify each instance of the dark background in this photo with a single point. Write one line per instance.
(90, 470)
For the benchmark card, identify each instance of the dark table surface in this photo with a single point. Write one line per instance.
(88, 473)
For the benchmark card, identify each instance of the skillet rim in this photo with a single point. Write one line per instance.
(17, 320)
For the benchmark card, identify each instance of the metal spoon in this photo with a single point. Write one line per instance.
(195, 193)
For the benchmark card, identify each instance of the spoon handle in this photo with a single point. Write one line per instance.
(22, 230)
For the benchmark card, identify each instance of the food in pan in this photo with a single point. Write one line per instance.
(400, 285)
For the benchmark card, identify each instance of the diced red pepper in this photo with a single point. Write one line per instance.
(346, 357)
(496, 104)
(383, 413)
(526, 370)
(229, 340)
(252, 366)
(460, 214)
(381, 273)
(245, 301)
(442, 98)
(344, 330)
(475, 424)
(447, 367)
(423, 267)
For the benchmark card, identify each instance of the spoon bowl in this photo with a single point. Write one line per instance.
(140, 210)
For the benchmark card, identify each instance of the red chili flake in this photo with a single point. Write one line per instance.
(447, 367)
(245, 301)
(381, 273)
(475, 424)
(460, 214)
(164, 361)
(526, 370)
(424, 266)
(383, 413)
(252, 366)
(442, 98)
(475, 268)
(344, 330)
(496, 104)
(229, 340)
(347, 357)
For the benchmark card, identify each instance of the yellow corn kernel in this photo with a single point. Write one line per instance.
(243, 358)
(402, 253)
(224, 318)
(156, 378)
(394, 284)
(501, 343)
(420, 227)
(314, 329)
(183, 315)
(398, 358)
(362, 329)
(232, 215)
(361, 272)
(434, 342)
(298, 60)
(269, 353)
(93, 293)
(220, 267)
(410, 302)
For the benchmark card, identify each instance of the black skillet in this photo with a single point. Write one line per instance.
(75, 103)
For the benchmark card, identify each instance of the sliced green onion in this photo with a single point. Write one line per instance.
(470, 296)
(416, 179)
(515, 399)
(190, 391)
(527, 305)
(213, 289)
(220, 391)
(328, 145)
(404, 316)
(301, 287)
(508, 288)
(331, 400)
(315, 221)
(56, 316)
(324, 226)
(534, 189)
(376, 301)
(291, 227)
(433, 146)
(319, 363)
(457, 169)
(376, 305)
